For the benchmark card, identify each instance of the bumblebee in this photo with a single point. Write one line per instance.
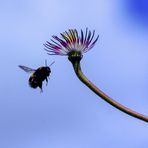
(38, 75)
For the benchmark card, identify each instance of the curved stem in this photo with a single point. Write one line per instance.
(83, 78)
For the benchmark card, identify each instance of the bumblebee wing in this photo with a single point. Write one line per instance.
(26, 69)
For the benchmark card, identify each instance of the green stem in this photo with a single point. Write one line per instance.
(89, 84)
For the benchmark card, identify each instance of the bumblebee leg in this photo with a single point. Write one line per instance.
(40, 86)
(46, 81)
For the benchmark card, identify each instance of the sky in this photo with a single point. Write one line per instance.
(67, 114)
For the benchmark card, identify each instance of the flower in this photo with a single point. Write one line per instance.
(71, 41)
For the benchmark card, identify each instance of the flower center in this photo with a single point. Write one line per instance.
(74, 56)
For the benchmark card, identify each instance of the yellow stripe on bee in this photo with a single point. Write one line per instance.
(33, 75)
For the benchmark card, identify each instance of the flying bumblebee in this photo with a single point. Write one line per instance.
(38, 75)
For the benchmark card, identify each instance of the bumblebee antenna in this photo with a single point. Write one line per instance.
(52, 63)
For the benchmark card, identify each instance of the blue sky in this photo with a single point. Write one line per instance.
(67, 114)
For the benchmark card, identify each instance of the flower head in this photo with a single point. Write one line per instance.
(70, 41)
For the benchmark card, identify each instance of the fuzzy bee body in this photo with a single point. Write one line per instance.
(38, 76)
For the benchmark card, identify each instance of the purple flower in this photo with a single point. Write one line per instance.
(71, 41)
